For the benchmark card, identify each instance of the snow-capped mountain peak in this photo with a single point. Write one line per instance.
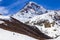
(35, 7)
(30, 10)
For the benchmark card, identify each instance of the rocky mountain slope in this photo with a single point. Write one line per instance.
(14, 25)
(35, 15)
(48, 23)
(33, 20)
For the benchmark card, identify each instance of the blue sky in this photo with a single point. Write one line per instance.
(13, 6)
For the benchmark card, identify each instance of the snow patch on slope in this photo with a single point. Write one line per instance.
(1, 22)
(4, 17)
(8, 35)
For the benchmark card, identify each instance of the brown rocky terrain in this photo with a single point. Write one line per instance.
(19, 27)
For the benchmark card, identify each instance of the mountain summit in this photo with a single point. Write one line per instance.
(33, 20)
(34, 8)
(30, 10)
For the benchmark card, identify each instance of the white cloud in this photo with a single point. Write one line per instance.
(3, 10)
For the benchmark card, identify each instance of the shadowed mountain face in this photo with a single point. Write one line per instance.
(16, 26)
